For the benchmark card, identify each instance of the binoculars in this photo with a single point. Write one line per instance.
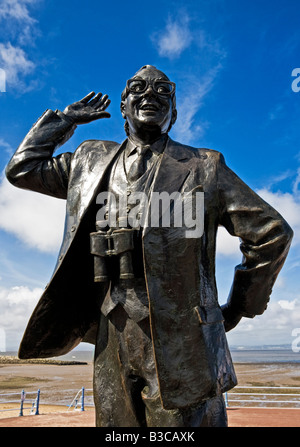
(118, 242)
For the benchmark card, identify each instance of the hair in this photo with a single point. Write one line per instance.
(124, 94)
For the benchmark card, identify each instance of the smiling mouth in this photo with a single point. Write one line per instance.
(149, 107)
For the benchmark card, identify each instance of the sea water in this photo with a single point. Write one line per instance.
(239, 355)
(265, 356)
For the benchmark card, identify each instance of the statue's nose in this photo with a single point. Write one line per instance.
(149, 91)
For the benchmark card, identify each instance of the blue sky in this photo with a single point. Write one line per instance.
(232, 62)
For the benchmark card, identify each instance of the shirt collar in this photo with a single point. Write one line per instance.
(157, 147)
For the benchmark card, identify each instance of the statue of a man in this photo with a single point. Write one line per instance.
(146, 295)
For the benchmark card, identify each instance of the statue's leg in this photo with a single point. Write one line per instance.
(210, 413)
(112, 388)
(123, 353)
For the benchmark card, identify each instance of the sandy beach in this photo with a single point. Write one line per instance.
(59, 383)
(268, 374)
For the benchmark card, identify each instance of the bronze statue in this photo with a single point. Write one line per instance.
(146, 295)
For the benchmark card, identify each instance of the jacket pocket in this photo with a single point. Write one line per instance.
(216, 348)
(209, 315)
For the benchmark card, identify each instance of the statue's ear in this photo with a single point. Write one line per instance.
(122, 107)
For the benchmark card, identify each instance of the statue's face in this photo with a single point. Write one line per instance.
(148, 104)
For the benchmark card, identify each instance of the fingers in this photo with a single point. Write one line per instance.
(99, 115)
(87, 98)
(104, 115)
(96, 99)
(105, 104)
(100, 102)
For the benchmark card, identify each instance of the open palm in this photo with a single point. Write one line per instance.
(88, 109)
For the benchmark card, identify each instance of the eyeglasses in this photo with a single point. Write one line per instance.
(159, 86)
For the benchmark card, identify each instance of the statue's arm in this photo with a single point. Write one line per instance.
(33, 165)
(265, 241)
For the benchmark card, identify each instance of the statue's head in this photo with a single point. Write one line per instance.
(148, 101)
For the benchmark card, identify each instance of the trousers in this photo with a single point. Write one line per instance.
(126, 389)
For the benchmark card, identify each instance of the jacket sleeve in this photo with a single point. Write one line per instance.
(265, 240)
(33, 167)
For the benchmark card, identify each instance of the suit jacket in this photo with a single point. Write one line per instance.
(190, 347)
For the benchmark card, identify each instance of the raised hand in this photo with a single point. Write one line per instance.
(88, 109)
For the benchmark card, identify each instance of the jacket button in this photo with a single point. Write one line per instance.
(73, 228)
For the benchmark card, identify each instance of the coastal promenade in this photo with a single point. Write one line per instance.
(59, 383)
(237, 417)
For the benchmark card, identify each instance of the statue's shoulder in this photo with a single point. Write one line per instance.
(99, 146)
(197, 152)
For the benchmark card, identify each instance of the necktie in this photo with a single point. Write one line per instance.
(137, 168)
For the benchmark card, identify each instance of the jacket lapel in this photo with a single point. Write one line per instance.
(96, 170)
(172, 173)
(84, 184)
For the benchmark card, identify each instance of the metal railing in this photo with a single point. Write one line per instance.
(22, 400)
(80, 399)
(247, 397)
(83, 398)
(235, 398)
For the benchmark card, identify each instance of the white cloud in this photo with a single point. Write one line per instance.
(15, 63)
(180, 34)
(18, 22)
(36, 219)
(227, 245)
(274, 326)
(20, 29)
(16, 9)
(285, 304)
(190, 100)
(297, 183)
(16, 304)
(174, 39)
(7, 147)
